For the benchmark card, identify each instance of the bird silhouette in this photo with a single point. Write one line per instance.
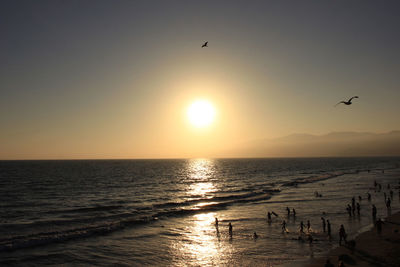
(348, 102)
(205, 45)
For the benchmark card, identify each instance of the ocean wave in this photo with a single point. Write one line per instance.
(45, 238)
(85, 209)
(314, 178)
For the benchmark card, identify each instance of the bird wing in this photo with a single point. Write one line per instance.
(352, 98)
(339, 103)
(205, 44)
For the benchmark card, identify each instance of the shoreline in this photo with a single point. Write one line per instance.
(371, 248)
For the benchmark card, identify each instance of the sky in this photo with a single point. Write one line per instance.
(114, 79)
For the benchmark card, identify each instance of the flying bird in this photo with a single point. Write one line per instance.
(348, 102)
(205, 45)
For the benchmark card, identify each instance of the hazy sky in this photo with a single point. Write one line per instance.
(113, 79)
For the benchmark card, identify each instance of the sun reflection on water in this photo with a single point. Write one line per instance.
(200, 172)
(200, 244)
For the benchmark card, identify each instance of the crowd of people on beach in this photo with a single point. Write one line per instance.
(305, 231)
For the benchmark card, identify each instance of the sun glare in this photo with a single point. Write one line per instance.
(201, 113)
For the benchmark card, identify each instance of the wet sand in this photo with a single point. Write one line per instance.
(371, 248)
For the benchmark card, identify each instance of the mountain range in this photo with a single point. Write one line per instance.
(335, 144)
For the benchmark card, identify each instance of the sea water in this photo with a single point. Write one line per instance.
(162, 212)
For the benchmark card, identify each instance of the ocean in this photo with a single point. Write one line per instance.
(162, 212)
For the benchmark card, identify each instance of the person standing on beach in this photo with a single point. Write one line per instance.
(301, 227)
(348, 209)
(388, 203)
(269, 216)
(284, 230)
(230, 230)
(329, 227)
(369, 196)
(308, 226)
(353, 205)
(358, 208)
(323, 223)
(342, 235)
(294, 212)
(288, 211)
(255, 236)
(373, 212)
(378, 225)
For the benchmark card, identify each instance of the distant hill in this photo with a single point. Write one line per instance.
(335, 144)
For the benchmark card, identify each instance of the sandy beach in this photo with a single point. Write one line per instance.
(371, 248)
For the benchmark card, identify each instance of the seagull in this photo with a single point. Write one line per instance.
(204, 45)
(348, 102)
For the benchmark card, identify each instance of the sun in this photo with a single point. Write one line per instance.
(201, 113)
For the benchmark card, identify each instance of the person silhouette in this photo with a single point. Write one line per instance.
(288, 211)
(342, 235)
(230, 230)
(255, 236)
(323, 224)
(301, 227)
(329, 227)
(308, 226)
(388, 203)
(294, 212)
(284, 226)
(348, 209)
(373, 212)
(358, 208)
(378, 225)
